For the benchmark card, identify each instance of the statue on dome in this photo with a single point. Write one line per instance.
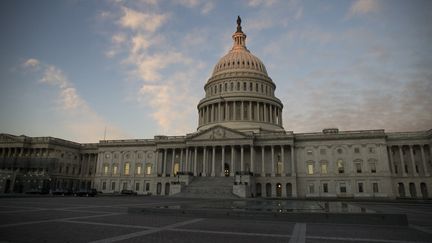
(239, 28)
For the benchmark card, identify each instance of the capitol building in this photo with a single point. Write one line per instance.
(240, 149)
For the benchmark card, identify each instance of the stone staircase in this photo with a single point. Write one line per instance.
(208, 187)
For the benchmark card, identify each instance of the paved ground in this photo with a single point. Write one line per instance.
(105, 219)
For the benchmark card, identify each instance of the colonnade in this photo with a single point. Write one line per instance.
(240, 111)
(409, 164)
(263, 160)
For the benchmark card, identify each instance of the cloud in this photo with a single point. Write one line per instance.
(79, 120)
(257, 3)
(136, 20)
(205, 6)
(31, 62)
(362, 7)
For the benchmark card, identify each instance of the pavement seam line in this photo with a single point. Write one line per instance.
(361, 239)
(228, 233)
(299, 233)
(419, 228)
(146, 232)
(108, 224)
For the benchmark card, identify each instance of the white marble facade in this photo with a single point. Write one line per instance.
(240, 133)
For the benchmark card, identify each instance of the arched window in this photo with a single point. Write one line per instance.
(106, 169)
(138, 169)
(148, 169)
(340, 166)
(126, 168)
(115, 169)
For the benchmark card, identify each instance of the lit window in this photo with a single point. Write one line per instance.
(340, 165)
(138, 170)
(324, 168)
(310, 169)
(126, 168)
(148, 169)
(115, 169)
(106, 169)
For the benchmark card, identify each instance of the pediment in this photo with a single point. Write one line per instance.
(218, 133)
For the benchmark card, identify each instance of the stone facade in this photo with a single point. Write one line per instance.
(240, 136)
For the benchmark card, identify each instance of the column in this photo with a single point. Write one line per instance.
(413, 161)
(212, 118)
(223, 162)
(181, 160)
(281, 117)
(156, 162)
(426, 173)
(265, 112)
(219, 112)
(250, 110)
(213, 161)
(204, 161)
(195, 161)
(293, 173)
(272, 162)
(226, 111)
(262, 161)
(271, 113)
(283, 172)
(242, 111)
(241, 158)
(232, 161)
(402, 161)
(252, 152)
(187, 160)
(164, 163)
(234, 111)
(392, 169)
(172, 162)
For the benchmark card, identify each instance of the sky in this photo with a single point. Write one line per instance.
(85, 70)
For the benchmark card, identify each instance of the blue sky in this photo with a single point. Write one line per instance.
(70, 69)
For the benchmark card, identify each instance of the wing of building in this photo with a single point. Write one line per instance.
(240, 148)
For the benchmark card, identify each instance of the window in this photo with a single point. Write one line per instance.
(371, 150)
(113, 185)
(138, 169)
(416, 168)
(106, 169)
(358, 167)
(342, 187)
(107, 156)
(356, 150)
(139, 156)
(322, 151)
(375, 187)
(339, 151)
(137, 186)
(310, 169)
(148, 168)
(396, 169)
(323, 167)
(325, 187)
(340, 165)
(309, 152)
(104, 185)
(406, 168)
(311, 188)
(124, 185)
(360, 187)
(115, 169)
(372, 167)
(147, 187)
(126, 168)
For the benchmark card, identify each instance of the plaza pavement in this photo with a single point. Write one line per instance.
(106, 219)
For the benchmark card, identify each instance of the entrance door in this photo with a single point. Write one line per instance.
(226, 169)
(289, 190)
(167, 188)
(423, 190)
(7, 186)
(401, 189)
(278, 190)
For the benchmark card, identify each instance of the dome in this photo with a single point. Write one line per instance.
(239, 60)
(239, 57)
